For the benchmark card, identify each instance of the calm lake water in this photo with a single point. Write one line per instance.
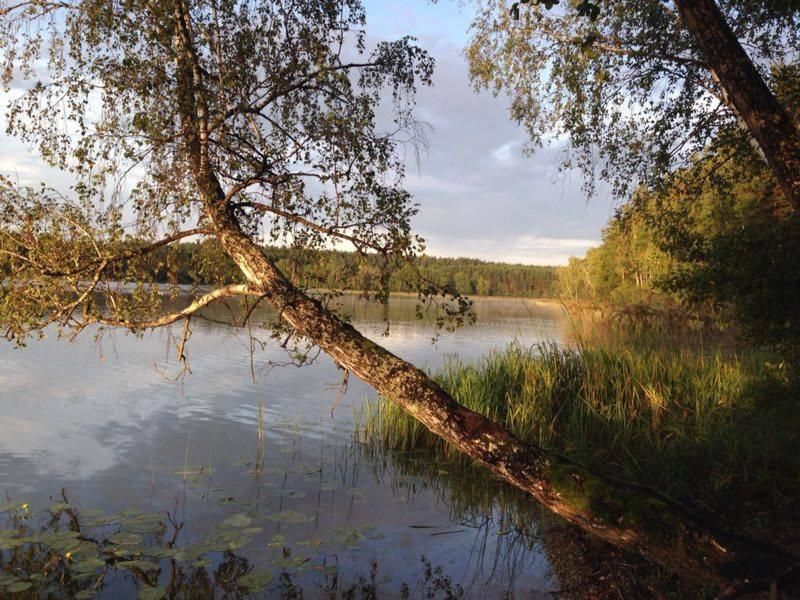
(253, 470)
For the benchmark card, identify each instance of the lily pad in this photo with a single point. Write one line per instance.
(191, 553)
(143, 523)
(162, 552)
(125, 539)
(101, 520)
(89, 565)
(291, 516)
(238, 520)
(18, 586)
(255, 581)
(329, 486)
(138, 565)
(151, 593)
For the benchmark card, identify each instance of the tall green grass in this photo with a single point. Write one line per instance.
(716, 430)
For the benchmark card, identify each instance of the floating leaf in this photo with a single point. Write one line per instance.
(238, 520)
(291, 516)
(89, 565)
(253, 531)
(85, 594)
(329, 486)
(59, 506)
(62, 542)
(164, 552)
(311, 473)
(143, 522)
(126, 552)
(18, 586)
(151, 593)
(254, 581)
(191, 553)
(125, 539)
(138, 565)
(101, 520)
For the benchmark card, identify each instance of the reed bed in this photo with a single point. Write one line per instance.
(715, 430)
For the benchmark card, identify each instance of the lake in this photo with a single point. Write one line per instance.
(239, 471)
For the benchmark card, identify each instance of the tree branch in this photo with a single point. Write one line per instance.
(124, 256)
(167, 319)
(332, 231)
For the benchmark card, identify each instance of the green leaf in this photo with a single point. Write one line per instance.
(254, 581)
(291, 516)
(151, 593)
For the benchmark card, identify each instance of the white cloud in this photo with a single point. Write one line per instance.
(503, 153)
(478, 195)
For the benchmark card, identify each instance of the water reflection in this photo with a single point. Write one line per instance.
(103, 421)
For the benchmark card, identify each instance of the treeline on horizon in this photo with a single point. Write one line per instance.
(712, 242)
(199, 263)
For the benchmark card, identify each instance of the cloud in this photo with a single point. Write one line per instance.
(478, 195)
(503, 153)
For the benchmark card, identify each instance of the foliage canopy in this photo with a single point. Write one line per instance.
(629, 89)
(296, 129)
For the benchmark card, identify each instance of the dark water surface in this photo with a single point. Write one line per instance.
(260, 468)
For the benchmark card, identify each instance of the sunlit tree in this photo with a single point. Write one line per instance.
(245, 121)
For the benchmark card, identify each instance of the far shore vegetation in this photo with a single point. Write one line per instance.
(199, 263)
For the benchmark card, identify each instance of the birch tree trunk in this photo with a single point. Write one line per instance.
(665, 532)
(769, 124)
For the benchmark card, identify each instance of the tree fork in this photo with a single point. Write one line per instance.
(664, 531)
(770, 125)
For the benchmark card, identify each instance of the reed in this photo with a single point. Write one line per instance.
(718, 430)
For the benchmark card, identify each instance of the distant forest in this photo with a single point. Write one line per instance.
(198, 263)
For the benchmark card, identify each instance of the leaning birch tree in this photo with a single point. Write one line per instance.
(251, 120)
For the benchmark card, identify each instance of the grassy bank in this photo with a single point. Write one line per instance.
(718, 431)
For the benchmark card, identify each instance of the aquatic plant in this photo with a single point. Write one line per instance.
(715, 429)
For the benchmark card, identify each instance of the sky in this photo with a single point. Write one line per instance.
(479, 196)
